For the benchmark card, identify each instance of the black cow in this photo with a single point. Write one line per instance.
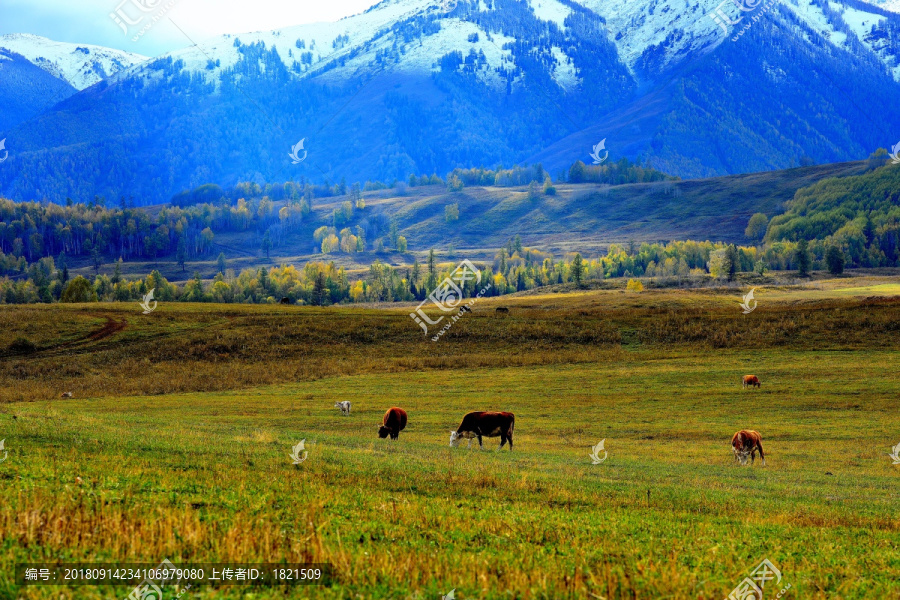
(489, 424)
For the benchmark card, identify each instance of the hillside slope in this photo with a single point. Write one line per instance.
(26, 90)
(581, 217)
(588, 216)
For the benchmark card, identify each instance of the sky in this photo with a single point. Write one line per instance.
(89, 21)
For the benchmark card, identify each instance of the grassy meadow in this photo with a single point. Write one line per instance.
(176, 444)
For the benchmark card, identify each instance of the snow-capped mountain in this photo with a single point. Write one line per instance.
(79, 65)
(422, 86)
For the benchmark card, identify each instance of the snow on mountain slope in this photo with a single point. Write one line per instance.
(677, 27)
(890, 5)
(845, 26)
(354, 44)
(81, 65)
(321, 41)
(551, 10)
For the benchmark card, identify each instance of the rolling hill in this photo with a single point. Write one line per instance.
(580, 217)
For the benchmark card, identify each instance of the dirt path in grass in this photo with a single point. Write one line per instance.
(111, 328)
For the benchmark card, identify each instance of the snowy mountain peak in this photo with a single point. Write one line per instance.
(81, 65)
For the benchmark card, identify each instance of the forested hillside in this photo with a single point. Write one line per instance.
(860, 214)
(371, 242)
(298, 220)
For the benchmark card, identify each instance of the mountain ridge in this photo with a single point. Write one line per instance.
(408, 88)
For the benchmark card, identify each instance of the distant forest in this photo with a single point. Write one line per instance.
(836, 223)
(30, 230)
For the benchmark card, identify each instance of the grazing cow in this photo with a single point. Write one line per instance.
(489, 424)
(285, 300)
(344, 406)
(751, 381)
(393, 423)
(745, 443)
(66, 395)
(502, 310)
(464, 308)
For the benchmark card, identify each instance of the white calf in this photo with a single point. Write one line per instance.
(344, 406)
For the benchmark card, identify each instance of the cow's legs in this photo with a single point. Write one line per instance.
(502, 441)
(469, 446)
(480, 443)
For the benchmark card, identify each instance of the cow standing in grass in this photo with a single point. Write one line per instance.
(489, 424)
(393, 423)
(745, 443)
(751, 381)
(344, 406)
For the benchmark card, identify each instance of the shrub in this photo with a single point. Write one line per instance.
(549, 188)
(22, 346)
(634, 285)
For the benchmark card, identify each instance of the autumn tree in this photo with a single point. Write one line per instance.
(756, 227)
(79, 290)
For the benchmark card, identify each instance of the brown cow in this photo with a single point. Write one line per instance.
(751, 380)
(394, 422)
(745, 443)
(489, 424)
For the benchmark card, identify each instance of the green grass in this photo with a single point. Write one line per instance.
(204, 476)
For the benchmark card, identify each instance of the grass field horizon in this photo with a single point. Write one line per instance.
(176, 444)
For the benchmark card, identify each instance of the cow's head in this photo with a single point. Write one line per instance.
(737, 446)
(454, 439)
(383, 431)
